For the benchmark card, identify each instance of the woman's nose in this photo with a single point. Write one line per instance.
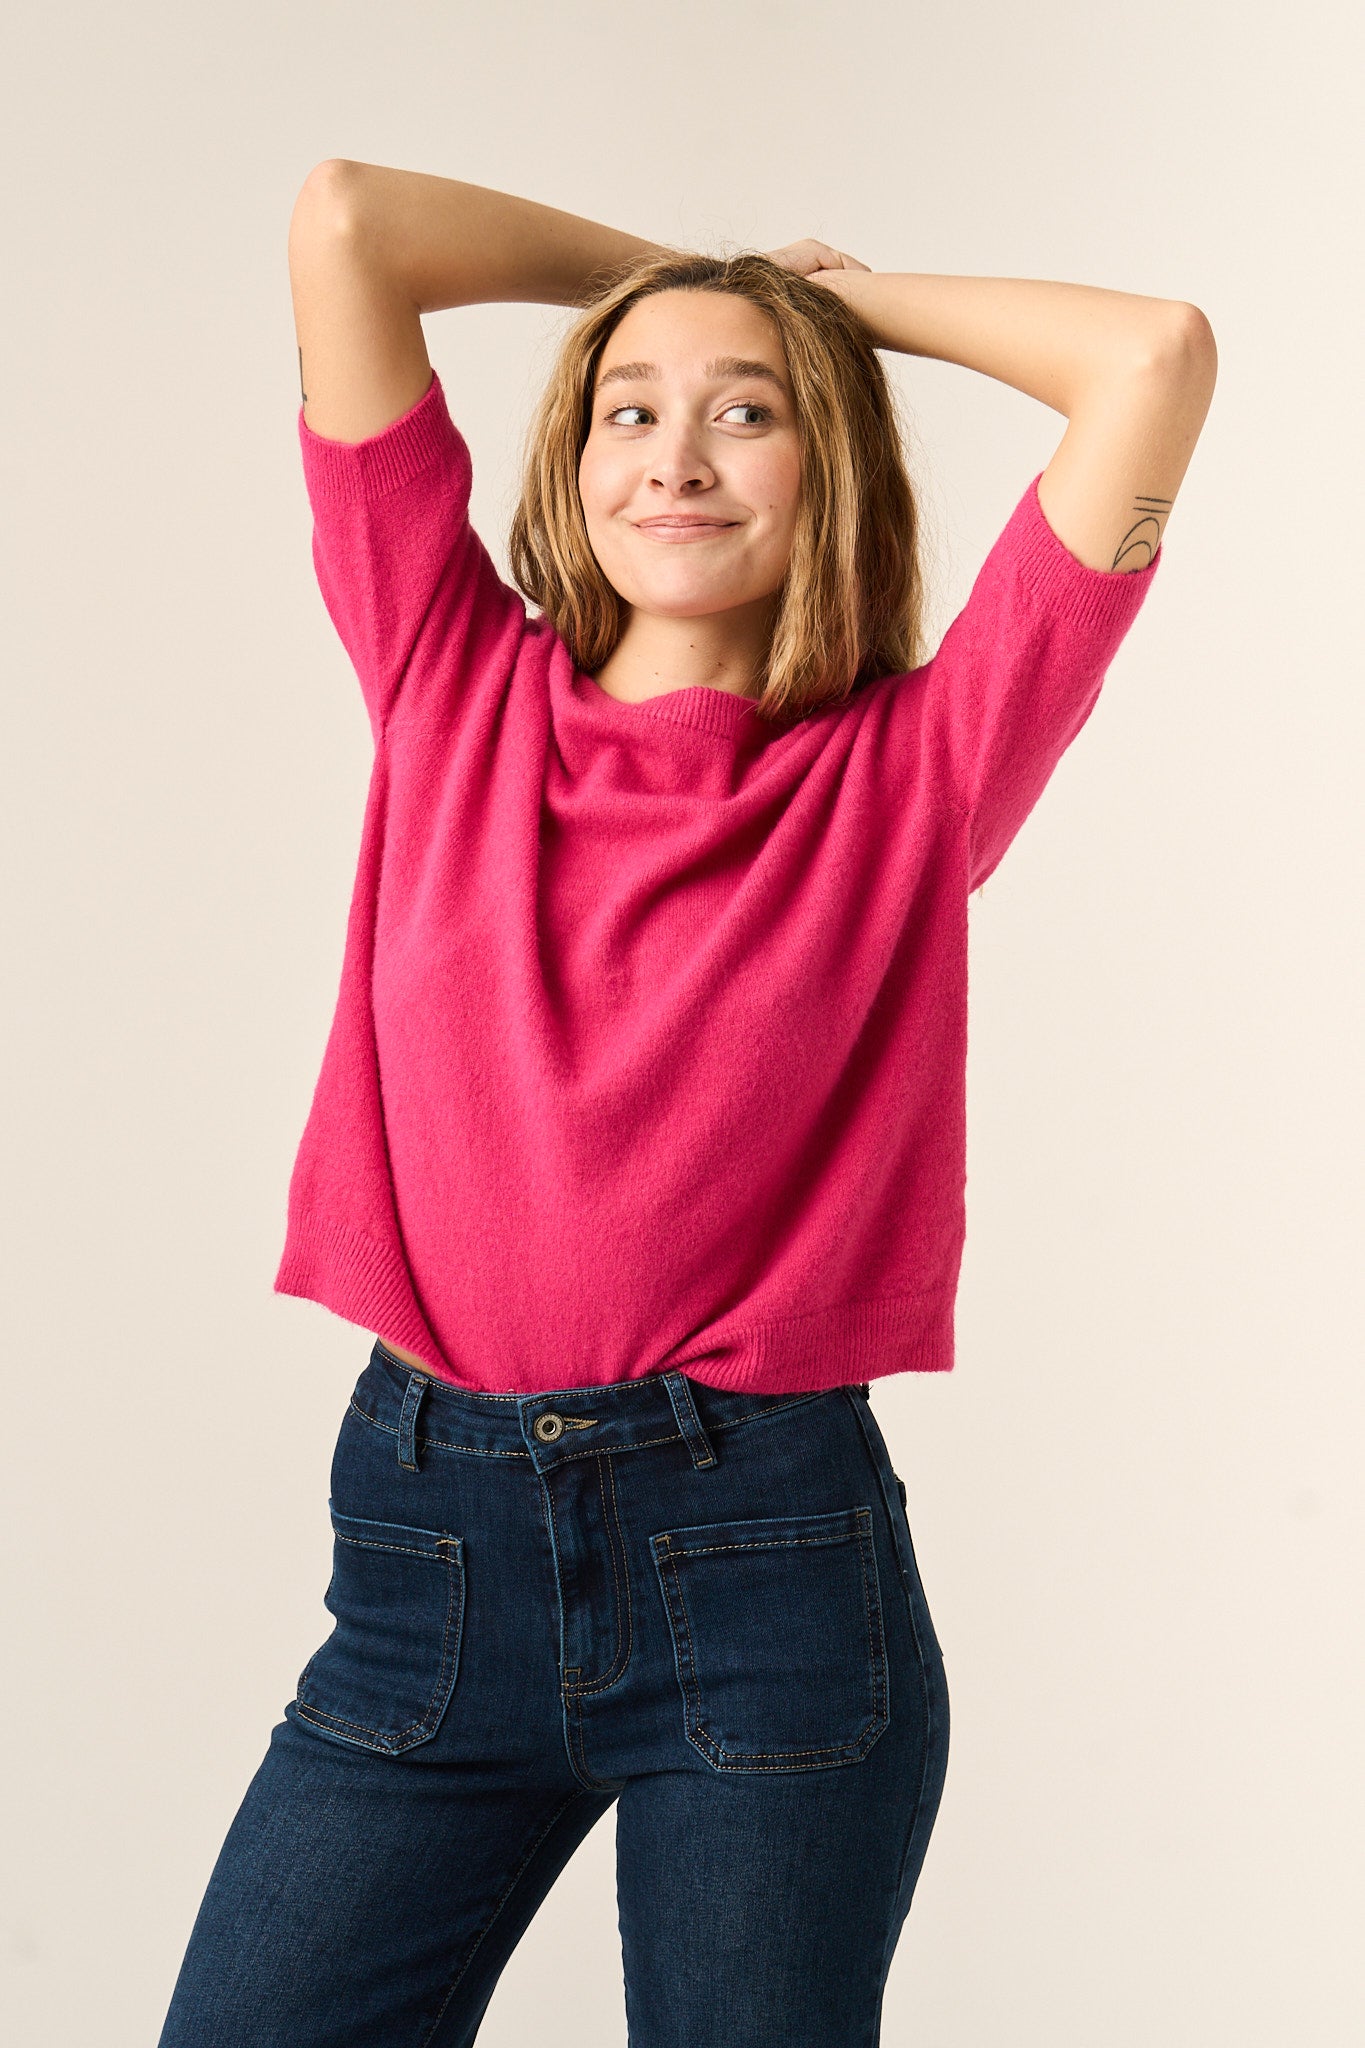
(677, 463)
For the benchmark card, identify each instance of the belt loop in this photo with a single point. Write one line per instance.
(689, 1422)
(407, 1421)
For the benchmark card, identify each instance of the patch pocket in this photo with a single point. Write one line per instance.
(383, 1678)
(778, 1639)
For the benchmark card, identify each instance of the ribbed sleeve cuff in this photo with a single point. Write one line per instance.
(354, 1276)
(1054, 577)
(354, 470)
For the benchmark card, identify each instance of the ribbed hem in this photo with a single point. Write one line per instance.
(367, 1283)
(357, 1278)
(1054, 577)
(351, 471)
(840, 1346)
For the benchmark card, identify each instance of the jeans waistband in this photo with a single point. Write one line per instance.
(550, 1428)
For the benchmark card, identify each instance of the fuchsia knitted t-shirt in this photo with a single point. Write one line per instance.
(650, 1043)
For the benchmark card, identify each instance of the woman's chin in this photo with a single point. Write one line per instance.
(687, 599)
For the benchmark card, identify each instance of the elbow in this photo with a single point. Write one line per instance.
(1182, 340)
(327, 196)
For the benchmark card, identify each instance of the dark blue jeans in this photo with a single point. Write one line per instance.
(702, 1607)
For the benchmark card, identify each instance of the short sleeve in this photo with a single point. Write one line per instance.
(1019, 672)
(413, 594)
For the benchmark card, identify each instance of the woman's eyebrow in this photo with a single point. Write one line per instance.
(723, 366)
(629, 373)
(742, 366)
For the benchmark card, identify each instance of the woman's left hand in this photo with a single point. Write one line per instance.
(808, 258)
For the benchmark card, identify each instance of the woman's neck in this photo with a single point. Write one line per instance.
(656, 653)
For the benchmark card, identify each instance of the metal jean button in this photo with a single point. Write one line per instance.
(548, 1427)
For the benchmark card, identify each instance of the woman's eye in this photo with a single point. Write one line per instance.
(755, 415)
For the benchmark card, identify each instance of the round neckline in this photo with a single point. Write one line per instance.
(699, 706)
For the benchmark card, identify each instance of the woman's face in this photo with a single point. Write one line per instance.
(690, 474)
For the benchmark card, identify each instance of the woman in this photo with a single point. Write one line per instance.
(639, 1139)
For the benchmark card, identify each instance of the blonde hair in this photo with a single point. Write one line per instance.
(850, 605)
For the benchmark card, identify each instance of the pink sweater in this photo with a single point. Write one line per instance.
(650, 1045)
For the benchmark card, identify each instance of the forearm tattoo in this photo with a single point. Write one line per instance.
(1143, 537)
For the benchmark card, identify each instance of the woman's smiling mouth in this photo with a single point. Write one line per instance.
(683, 526)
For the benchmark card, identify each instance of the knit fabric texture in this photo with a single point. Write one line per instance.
(650, 1045)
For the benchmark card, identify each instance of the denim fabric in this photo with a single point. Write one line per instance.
(700, 1607)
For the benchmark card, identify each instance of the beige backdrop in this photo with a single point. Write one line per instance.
(1136, 1501)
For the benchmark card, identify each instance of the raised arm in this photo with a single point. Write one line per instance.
(1134, 377)
(372, 249)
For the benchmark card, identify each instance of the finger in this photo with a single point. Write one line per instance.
(806, 254)
(796, 256)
